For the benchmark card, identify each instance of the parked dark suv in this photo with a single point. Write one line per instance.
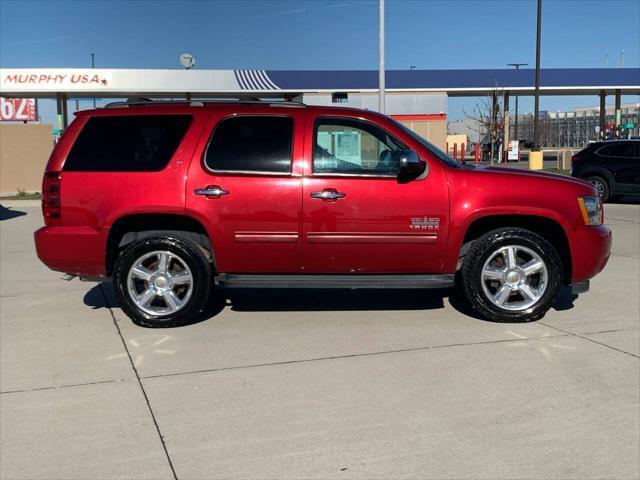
(613, 167)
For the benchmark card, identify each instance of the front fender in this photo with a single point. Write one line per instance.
(462, 222)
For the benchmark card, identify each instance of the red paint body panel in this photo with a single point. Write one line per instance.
(259, 208)
(499, 191)
(76, 250)
(370, 229)
(97, 199)
(271, 224)
(590, 249)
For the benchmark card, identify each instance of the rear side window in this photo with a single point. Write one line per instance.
(141, 143)
(251, 144)
(623, 149)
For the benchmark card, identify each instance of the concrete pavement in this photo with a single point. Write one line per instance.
(322, 384)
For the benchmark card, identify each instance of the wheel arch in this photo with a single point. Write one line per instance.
(133, 227)
(546, 227)
(596, 170)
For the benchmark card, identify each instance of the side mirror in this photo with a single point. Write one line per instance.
(410, 164)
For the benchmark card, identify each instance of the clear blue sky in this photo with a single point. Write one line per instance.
(321, 34)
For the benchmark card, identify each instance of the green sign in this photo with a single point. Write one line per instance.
(57, 131)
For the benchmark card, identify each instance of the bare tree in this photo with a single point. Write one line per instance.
(488, 119)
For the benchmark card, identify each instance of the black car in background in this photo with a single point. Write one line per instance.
(613, 167)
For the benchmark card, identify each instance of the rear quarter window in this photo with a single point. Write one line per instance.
(141, 143)
(623, 149)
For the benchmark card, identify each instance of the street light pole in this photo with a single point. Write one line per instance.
(381, 57)
(517, 65)
(536, 159)
(536, 103)
(93, 65)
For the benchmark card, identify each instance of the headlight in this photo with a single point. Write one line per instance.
(591, 209)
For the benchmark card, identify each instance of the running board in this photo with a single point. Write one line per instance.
(233, 280)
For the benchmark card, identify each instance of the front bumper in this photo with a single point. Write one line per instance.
(590, 251)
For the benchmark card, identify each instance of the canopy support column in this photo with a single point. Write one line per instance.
(65, 113)
(603, 114)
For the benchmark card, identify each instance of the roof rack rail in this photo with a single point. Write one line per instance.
(129, 102)
(133, 102)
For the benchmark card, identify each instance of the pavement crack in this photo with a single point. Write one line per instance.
(144, 393)
(614, 254)
(611, 331)
(353, 355)
(591, 339)
(70, 385)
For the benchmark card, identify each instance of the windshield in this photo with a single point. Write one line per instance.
(428, 145)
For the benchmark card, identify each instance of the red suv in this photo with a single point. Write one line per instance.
(171, 200)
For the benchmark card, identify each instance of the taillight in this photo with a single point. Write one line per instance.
(51, 198)
(575, 158)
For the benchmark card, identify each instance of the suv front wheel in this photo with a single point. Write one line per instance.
(511, 274)
(162, 281)
(602, 186)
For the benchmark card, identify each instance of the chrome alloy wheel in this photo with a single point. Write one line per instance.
(514, 278)
(160, 283)
(599, 186)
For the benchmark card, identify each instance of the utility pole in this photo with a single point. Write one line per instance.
(535, 157)
(381, 57)
(517, 65)
(622, 58)
(93, 65)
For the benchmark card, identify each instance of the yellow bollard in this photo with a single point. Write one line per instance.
(535, 161)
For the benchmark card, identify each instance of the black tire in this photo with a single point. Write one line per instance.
(602, 185)
(487, 246)
(189, 253)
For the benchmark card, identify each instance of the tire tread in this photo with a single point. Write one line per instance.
(488, 242)
(199, 297)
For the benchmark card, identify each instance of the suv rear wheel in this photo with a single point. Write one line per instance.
(162, 281)
(511, 274)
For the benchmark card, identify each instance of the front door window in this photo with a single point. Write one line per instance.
(345, 146)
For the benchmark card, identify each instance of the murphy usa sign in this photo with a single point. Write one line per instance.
(50, 79)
